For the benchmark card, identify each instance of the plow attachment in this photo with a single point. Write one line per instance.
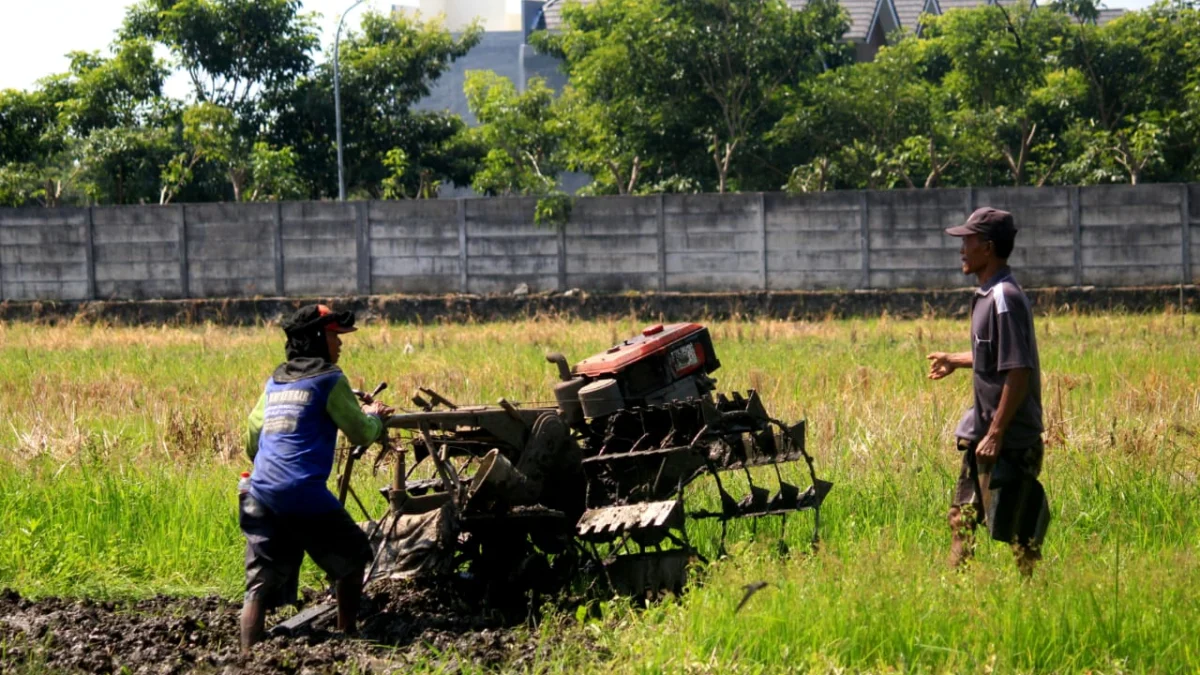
(606, 495)
(636, 479)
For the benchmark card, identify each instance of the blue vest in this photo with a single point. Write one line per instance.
(295, 447)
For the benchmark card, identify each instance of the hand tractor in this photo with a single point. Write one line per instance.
(538, 498)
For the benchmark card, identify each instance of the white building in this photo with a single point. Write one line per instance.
(496, 15)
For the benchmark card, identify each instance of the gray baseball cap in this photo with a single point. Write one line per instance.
(991, 223)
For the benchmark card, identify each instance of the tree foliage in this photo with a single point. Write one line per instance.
(661, 96)
(522, 134)
(384, 69)
(679, 88)
(1006, 95)
(231, 50)
(120, 165)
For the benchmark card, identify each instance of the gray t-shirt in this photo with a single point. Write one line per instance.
(1002, 339)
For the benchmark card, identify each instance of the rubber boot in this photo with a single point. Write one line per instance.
(254, 616)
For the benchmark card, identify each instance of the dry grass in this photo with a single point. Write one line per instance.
(120, 447)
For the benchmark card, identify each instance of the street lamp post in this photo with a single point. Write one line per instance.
(337, 101)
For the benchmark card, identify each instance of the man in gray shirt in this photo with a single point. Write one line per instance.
(1004, 426)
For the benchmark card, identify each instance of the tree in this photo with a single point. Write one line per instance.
(112, 108)
(395, 185)
(235, 53)
(689, 84)
(522, 132)
(999, 59)
(121, 165)
(663, 96)
(19, 184)
(441, 151)
(1133, 68)
(385, 68)
(744, 55)
(595, 142)
(255, 173)
(28, 126)
(91, 127)
(893, 108)
(30, 140)
(1190, 122)
(623, 129)
(212, 133)
(231, 50)
(101, 93)
(273, 174)
(37, 155)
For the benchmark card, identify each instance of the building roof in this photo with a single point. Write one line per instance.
(860, 12)
(947, 5)
(552, 11)
(909, 13)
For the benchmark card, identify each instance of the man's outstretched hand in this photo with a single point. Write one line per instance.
(940, 365)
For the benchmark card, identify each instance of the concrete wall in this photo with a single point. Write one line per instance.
(231, 249)
(1132, 235)
(713, 242)
(1100, 236)
(1192, 263)
(505, 249)
(1047, 221)
(44, 253)
(136, 251)
(907, 247)
(815, 240)
(320, 245)
(415, 246)
(612, 244)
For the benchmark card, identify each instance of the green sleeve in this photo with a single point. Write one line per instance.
(342, 406)
(254, 425)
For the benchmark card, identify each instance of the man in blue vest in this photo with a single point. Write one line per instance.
(289, 510)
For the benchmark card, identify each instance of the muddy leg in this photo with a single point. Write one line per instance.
(349, 593)
(1027, 557)
(254, 615)
(962, 534)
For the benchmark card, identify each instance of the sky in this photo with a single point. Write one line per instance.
(37, 34)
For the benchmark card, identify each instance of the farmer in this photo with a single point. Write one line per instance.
(290, 438)
(1001, 434)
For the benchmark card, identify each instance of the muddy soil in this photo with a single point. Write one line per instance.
(400, 624)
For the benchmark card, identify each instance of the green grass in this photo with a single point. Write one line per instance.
(119, 456)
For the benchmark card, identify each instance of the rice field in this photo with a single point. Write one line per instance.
(119, 455)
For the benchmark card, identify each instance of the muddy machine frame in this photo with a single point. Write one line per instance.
(592, 488)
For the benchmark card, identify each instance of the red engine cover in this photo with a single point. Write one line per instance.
(653, 340)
